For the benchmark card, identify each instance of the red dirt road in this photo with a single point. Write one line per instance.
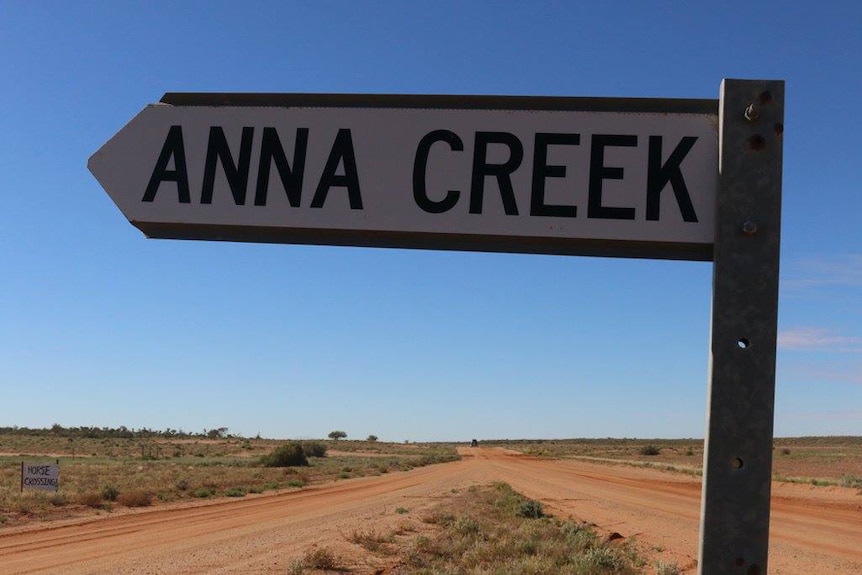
(814, 530)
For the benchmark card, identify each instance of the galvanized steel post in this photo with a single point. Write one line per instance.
(734, 530)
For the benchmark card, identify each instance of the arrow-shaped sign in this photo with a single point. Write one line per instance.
(540, 175)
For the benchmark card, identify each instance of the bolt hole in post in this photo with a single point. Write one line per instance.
(743, 343)
(749, 227)
(751, 113)
(737, 463)
(756, 143)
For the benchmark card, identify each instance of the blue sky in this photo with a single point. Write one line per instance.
(103, 327)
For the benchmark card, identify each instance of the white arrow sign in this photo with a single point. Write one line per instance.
(538, 175)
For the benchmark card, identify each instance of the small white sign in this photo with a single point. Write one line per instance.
(45, 477)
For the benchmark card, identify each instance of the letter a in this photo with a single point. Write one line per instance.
(173, 148)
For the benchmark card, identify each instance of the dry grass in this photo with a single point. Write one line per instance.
(493, 529)
(128, 473)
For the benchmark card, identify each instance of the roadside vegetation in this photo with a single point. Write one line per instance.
(104, 469)
(491, 529)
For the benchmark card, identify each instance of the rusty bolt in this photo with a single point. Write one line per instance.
(751, 113)
(749, 228)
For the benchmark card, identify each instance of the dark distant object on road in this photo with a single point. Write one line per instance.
(474, 443)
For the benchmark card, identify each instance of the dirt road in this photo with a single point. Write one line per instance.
(814, 530)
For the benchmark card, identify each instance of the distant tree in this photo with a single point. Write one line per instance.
(372, 438)
(336, 435)
(219, 433)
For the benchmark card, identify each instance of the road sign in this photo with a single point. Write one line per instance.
(674, 179)
(538, 175)
(44, 477)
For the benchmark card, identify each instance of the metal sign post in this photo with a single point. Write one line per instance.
(650, 178)
(734, 532)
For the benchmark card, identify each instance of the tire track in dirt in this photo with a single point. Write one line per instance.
(810, 533)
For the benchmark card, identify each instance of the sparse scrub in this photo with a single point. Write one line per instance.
(483, 531)
(850, 480)
(90, 499)
(135, 498)
(373, 541)
(650, 450)
(236, 492)
(203, 492)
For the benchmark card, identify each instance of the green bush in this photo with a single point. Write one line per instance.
(203, 493)
(236, 492)
(314, 449)
(288, 455)
(650, 450)
(531, 509)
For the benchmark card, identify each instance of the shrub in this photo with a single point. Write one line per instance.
(90, 499)
(371, 540)
(137, 498)
(287, 455)
(663, 568)
(236, 492)
(650, 450)
(314, 449)
(531, 509)
(785, 451)
(57, 500)
(848, 480)
(372, 438)
(110, 493)
(203, 492)
(320, 558)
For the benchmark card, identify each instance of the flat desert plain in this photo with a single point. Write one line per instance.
(814, 530)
